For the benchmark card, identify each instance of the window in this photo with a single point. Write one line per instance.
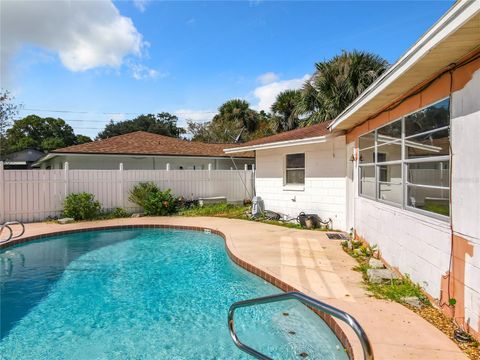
(295, 169)
(367, 181)
(390, 186)
(407, 162)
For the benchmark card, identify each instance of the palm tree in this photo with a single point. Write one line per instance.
(283, 109)
(238, 112)
(336, 83)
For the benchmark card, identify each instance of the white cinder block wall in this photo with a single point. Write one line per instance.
(466, 189)
(325, 181)
(419, 245)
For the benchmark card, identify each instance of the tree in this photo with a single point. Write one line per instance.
(163, 124)
(238, 112)
(82, 139)
(8, 110)
(44, 134)
(235, 122)
(336, 83)
(284, 116)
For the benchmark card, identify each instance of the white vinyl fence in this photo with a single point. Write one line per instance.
(34, 195)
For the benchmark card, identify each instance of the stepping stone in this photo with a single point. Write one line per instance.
(375, 264)
(64, 221)
(412, 301)
(378, 276)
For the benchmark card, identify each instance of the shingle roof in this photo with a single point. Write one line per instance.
(145, 143)
(320, 129)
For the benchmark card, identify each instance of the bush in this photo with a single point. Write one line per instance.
(119, 213)
(81, 206)
(141, 192)
(160, 203)
(115, 214)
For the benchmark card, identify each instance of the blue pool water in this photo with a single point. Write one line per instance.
(143, 294)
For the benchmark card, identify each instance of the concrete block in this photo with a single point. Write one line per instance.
(378, 276)
(64, 221)
(376, 264)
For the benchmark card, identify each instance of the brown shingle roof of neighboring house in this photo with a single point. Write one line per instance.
(145, 143)
(320, 129)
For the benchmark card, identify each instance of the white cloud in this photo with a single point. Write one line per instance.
(195, 115)
(84, 34)
(267, 78)
(266, 94)
(140, 4)
(141, 72)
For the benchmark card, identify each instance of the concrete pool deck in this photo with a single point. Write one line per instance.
(310, 262)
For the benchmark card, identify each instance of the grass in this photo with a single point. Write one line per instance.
(394, 290)
(232, 211)
(437, 208)
(226, 210)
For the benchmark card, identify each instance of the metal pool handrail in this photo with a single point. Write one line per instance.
(307, 300)
(7, 226)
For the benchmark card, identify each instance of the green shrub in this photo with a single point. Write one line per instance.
(119, 213)
(81, 206)
(141, 192)
(160, 203)
(114, 214)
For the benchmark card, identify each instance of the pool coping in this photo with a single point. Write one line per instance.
(328, 319)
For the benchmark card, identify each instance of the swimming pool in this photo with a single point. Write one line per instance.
(144, 294)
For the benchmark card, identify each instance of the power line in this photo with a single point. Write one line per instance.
(78, 120)
(111, 113)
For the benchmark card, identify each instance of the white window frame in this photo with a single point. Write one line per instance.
(294, 186)
(404, 162)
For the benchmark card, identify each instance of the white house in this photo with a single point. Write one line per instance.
(400, 165)
(302, 170)
(142, 150)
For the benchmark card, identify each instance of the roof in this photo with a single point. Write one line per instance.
(26, 155)
(454, 36)
(299, 136)
(145, 143)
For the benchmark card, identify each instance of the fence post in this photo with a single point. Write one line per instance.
(65, 177)
(168, 167)
(253, 180)
(2, 193)
(245, 190)
(120, 174)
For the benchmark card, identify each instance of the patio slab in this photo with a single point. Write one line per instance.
(310, 262)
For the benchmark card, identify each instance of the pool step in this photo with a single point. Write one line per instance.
(308, 301)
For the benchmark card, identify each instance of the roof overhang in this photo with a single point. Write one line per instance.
(454, 36)
(279, 144)
(11, 163)
(52, 155)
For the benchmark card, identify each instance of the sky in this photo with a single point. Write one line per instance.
(91, 61)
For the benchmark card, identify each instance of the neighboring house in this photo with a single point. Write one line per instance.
(409, 162)
(21, 160)
(141, 150)
(302, 170)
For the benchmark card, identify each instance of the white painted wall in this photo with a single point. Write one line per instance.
(466, 187)
(111, 162)
(324, 192)
(415, 244)
(419, 245)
